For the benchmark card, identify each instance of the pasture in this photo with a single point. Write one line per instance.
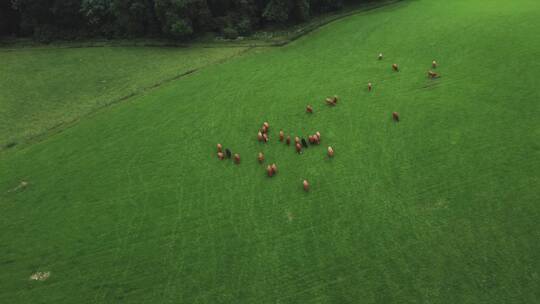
(131, 204)
(49, 88)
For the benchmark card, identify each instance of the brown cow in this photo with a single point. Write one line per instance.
(432, 75)
(269, 171)
(311, 140)
(260, 136)
(265, 137)
(274, 168)
(309, 109)
(298, 148)
(221, 156)
(369, 86)
(261, 157)
(288, 140)
(332, 101)
(306, 185)
(297, 139)
(264, 129)
(434, 64)
(330, 152)
(237, 158)
(318, 135)
(219, 148)
(395, 67)
(281, 135)
(395, 116)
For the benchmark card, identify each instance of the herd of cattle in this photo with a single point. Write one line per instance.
(300, 143)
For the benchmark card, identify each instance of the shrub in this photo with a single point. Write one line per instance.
(230, 33)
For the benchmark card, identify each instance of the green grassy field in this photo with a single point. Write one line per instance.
(43, 88)
(131, 205)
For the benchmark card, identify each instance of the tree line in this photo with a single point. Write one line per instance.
(47, 20)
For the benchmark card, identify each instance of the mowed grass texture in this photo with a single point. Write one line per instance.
(133, 206)
(42, 88)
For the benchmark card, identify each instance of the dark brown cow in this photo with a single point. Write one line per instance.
(395, 67)
(288, 140)
(369, 86)
(281, 135)
(309, 109)
(395, 116)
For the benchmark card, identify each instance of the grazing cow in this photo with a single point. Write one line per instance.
(288, 140)
(220, 155)
(395, 116)
(298, 148)
(281, 135)
(266, 125)
(274, 168)
(380, 56)
(228, 153)
(237, 158)
(261, 157)
(330, 152)
(434, 64)
(311, 140)
(297, 139)
(219, 148)
(260, 136)
(306, 185)
(332, 101)
(304, 143)
(369, 86)
(432, 75)
(309, 109)
(269, 171)
(265, 137)
(395, 67)
(318, 134)
(264, 129)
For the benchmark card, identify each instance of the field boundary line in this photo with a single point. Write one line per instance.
(62, 126)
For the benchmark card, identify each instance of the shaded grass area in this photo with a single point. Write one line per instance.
(44, 88)
(132, 206)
